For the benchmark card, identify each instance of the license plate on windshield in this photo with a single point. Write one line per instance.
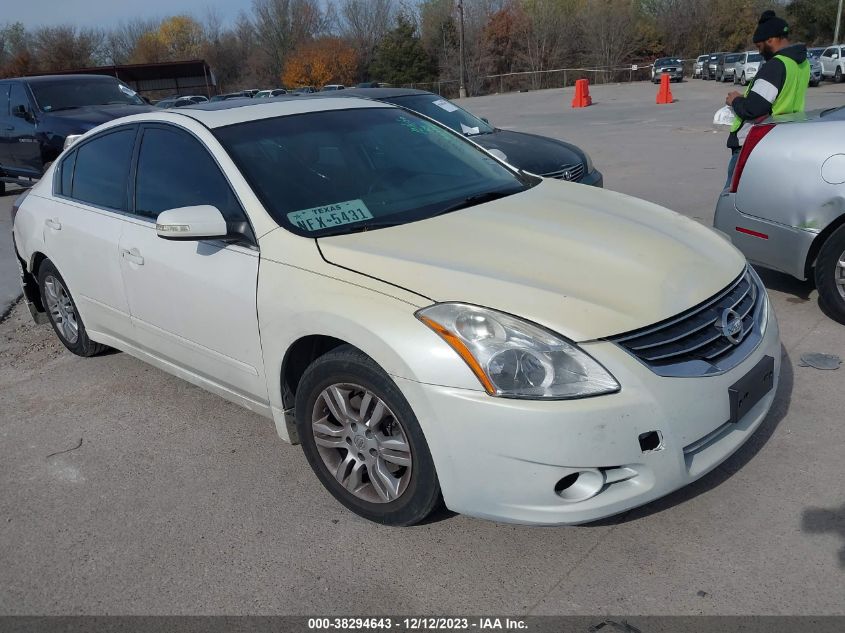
(750, 389)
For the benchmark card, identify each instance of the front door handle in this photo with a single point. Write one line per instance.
(132, 256)
(53, 224)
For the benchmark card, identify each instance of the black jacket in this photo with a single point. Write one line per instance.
(765, 88)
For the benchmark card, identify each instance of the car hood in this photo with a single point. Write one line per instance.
(584, 262)
(90, 117)
(537, 154)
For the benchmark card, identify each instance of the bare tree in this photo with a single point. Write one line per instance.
(364, 23)
(63, 47)
(121, 42)
(282, 25)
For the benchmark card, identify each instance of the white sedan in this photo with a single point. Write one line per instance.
(430, 324)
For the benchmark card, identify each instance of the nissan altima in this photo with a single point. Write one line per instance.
(430, 324)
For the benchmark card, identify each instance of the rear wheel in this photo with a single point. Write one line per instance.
(743, 81)
(62, 312)
(363, 441)
(830, 274)
(837, 76)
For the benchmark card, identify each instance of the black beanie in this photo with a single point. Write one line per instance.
(770, 25)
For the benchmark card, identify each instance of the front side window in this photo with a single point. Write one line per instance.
(68, 94)
(175, 170)
(18, 99)
(340, 171)
(444, 112)
(102, 169)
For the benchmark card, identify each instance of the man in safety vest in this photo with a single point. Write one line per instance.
(779, 87)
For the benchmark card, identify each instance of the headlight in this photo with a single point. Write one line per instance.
(514, 358)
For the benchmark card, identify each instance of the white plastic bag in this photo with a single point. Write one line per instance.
(724, 116)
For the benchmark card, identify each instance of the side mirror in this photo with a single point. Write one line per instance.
(21, 112)
(202, 222)
(485, 120)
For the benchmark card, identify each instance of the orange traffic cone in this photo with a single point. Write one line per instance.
(582, 94)
(664, 93)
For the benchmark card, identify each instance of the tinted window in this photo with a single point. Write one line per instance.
(444, 112)
(345, 170)
(175, 170)
(65, 180)
(18, 97)
(730, 59)
(4, 99)
(102, 169)
(68, 94)
(828, 52)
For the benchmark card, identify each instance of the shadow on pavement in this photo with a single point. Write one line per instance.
(781, 282)
(823, 520)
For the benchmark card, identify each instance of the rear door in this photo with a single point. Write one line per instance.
(193, 303)
(26, 153)
(83, 221)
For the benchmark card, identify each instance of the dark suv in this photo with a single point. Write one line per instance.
(38, 113)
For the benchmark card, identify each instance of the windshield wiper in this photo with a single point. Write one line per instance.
(63, 108)
(471, 201)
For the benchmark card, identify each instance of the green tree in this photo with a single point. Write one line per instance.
(401, 58)
(812, 21)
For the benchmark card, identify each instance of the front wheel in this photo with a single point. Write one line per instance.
(363, 441)
(62, 312)
(743, 81)
(830, 274)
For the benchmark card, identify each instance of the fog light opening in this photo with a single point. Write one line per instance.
(651, 441)
(580, 485)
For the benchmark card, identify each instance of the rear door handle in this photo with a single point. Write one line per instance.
(53, 224)
(131, 256)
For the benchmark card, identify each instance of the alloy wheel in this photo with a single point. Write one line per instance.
(362, 443)
(61, 309)
(840, 275)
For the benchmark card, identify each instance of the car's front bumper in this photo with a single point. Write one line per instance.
(594, 179)
(501, 458)
(769, 244)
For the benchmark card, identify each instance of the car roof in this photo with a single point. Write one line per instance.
(221, 113)
(383, 93)
(64, 78)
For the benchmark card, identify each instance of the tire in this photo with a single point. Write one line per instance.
(830, 276)
(62, 312)
(407, 490)
(837, 76)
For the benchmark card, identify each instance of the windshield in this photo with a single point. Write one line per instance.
(730, 59)
(815, 52)
(665, 61)
(340, 171)
(78, 93)
(444, 112)
(754, 57)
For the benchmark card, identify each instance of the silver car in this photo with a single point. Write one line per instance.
(784, 208)
(747, 67)
(698, 68)
(726, 68)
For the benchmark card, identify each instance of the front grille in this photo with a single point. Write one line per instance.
(573, 173)
(694, 342)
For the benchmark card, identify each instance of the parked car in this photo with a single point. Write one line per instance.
(305, 90)
(539, 155)
(415, 303)
(671, 66)
(373, 84)
(266, 94)
(815, 71)
(175, 102)
(712, 64)
(38, 113)
(242, 94)
(832, 63)
(747, 67)
(726, 67)
(778, 209)
(332, 87)
(698, 68)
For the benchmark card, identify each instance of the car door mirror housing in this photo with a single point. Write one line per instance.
(22, 112)
(202, 222)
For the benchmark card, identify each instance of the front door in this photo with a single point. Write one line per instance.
(26, 153)
(193, 303)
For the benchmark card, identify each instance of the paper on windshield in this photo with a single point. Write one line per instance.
(442, 103)
(724, 116)
(329, 216)
(469, 130)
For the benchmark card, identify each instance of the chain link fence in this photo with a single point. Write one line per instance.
(538, 80)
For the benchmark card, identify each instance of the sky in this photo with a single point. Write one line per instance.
(109, 13)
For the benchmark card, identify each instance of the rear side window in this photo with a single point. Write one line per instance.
(65, 177)
(102, 170)
(175, 170)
